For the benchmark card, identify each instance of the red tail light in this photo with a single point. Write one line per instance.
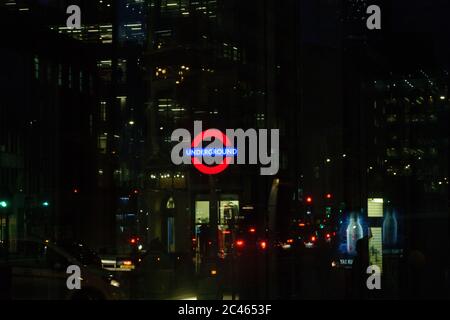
(240, 243)
(263, 245)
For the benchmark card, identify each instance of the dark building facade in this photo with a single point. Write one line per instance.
(87, 117)
(207, 63)
(48, 134)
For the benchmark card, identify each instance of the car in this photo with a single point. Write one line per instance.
(86, 256)
(37, 270)
(118, 264)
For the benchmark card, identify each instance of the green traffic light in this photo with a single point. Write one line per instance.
(3, 204)
(45, 203)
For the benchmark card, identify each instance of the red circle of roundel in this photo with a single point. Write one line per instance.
(197, 141)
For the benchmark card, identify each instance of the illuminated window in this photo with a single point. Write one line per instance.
(102, 143)
(59, 75)
(171, 234)
(170, 203)
(122, 102)
(36, 67)
(228, 210)
(103, 111)
(375, 207)
(201, 212)
(70, 77)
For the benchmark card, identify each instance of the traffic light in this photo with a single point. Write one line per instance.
(134, 240)
(45, 204)
(309, 204)
(328, 212)
(329, 196)
(3, 204)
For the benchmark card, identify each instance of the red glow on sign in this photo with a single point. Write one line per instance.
(211, 133)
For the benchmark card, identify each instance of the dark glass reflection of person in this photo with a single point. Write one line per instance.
(359, 269)
(203, 239)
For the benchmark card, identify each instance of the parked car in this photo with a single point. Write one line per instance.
(36, 270)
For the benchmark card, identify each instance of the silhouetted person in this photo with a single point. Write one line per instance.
(359, 269)
(204, 239)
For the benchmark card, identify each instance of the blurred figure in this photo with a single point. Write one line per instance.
(359, 269)
(204, 239)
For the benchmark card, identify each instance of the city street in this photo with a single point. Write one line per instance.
(226, 150)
